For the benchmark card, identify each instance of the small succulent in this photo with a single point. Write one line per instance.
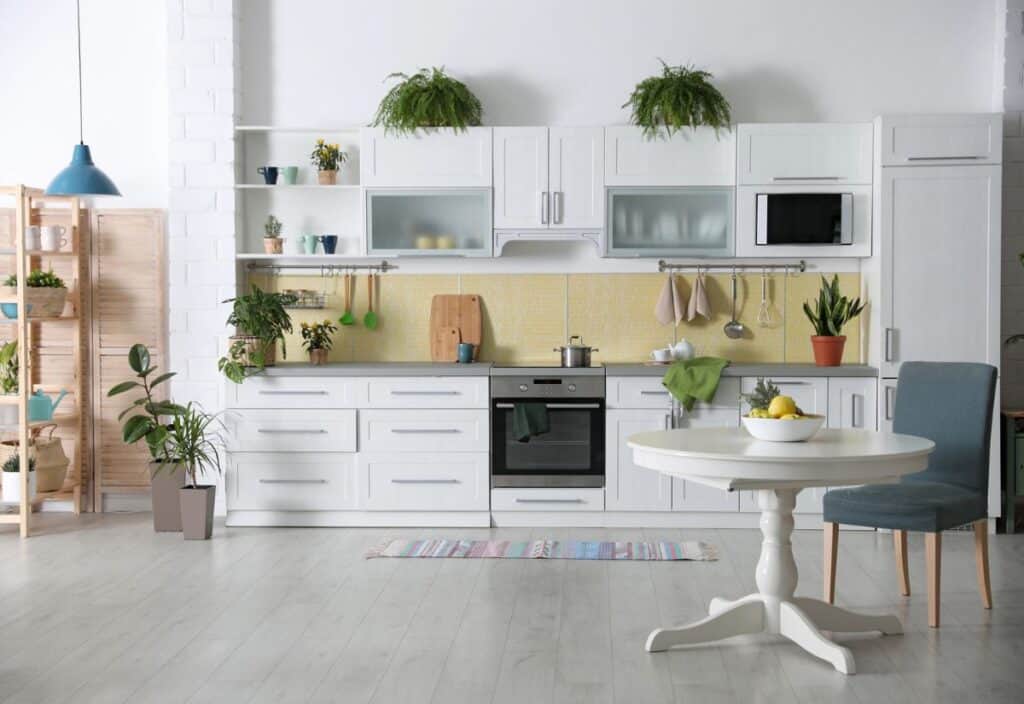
(761, 397)
(272, 228)
(13, 463)
(832, 310)
(37, 279)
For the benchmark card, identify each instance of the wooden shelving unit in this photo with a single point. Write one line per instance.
(29, 205)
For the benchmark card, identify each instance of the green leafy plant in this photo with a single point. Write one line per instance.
(148, 423)
(761, 397)
(9, 367)
(428, 98)
(37, 279)
(260, 316)
(317, 336)
(13, 463)
(194, 442)
(832, 310)
(327, 157)
(272, 228)
(681, 96)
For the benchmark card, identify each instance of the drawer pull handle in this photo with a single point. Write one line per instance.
(808, 178)
(556, 406)
(425, 431)
(424, 481)
(291, 431)
(293, 481)
(548, 501)
(942, 158)
(648, 392)
(311, 392)
(790, 383)
(426, 393)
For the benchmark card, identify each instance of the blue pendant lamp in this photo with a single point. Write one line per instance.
(81, 177)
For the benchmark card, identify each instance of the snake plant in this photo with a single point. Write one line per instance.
(832, 310)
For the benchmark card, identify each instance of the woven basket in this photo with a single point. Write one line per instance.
(41, 302)
(253, 343)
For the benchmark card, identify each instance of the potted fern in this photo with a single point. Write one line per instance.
(428, 98)
(831, 312)
(680, 97)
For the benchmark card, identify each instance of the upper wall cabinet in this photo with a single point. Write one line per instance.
(780, 154)
(912, 140)
(696, 157)
(434, 158)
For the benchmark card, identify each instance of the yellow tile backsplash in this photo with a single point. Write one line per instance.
(526, 315)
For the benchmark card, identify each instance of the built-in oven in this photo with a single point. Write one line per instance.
(571, 451)
(804, 219)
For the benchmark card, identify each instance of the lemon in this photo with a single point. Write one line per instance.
(790, 416)
(758, 413)
(782, 406)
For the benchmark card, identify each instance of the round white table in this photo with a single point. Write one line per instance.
(730, 459)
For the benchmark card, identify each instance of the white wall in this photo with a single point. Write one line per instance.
(125, 79)
(322, 62)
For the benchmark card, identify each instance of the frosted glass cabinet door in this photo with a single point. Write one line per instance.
(424, 222)
(692, 221)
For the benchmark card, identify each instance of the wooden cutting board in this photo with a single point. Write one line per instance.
(444, 345)
(460, 311)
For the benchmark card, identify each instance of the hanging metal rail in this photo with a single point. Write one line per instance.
(799, 266)
(327, 269)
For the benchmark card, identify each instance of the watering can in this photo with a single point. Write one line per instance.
(41, 406)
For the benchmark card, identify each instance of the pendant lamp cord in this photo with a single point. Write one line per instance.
(78, 18)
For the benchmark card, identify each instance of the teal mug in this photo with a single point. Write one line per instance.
(309, 243)
(465, 352)
(289, 174)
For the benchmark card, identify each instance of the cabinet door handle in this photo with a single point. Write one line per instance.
(425, 431)
(791, 383)
(293, 392)
(293, 481)
(668, 421)
(648, 392)
(557, 406)
(543, 207)
(808, 178)
(890, 397)
(556, 197)
(291, 431)
(424, 481)
(942, 158)
(888, 344)
(425, 393)
(548, 501)
(853, 412)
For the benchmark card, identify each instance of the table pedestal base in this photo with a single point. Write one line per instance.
(774, 609)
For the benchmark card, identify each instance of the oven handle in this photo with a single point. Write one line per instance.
(557, 406)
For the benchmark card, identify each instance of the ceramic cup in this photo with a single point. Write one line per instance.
(329, 243)
(662, 355)
(32, 237)
(289, 174)
(309, 243)
(269, 174)
(51, 238)
(465, 352)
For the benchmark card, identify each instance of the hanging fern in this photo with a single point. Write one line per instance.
(680, 97)
(429, 98)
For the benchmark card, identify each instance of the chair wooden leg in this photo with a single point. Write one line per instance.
(981, 558)
(831, 548)
(899, 539)
(933, 564)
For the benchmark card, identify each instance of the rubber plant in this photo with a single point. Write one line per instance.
(682, 96)
(428, 98)
(261, 321)
(150, 419)
(831, 312)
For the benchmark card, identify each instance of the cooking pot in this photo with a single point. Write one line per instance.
(575, 354)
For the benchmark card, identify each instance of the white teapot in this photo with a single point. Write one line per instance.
(682, 350)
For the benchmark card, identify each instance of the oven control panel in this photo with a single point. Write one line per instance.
(548, 387)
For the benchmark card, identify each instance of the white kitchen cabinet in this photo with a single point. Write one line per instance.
(428, 392)
(939, 234)
(432, 158)
(797, 154)
(913, 140)
(273, 481)
(649, 392)
(629, 487)
(576, 173)
(423, 481)
(428, 221)
(690, 157)
(694, 496)
(521, 189)
(416, 430)
(853, 402)
(265, 391)
(676, 221)
(547, 500)
(294, 430)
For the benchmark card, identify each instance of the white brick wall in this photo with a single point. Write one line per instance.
(1012, 318)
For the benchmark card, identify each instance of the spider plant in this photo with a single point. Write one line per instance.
(682, 96)
(428, 98)
(194, 441)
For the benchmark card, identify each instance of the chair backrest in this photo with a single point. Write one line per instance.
(950, 403)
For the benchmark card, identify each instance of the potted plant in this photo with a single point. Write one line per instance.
(272, 241)
(428, 98)
(831, 312)
(9, 380)
(45, 292)
(327, 158)
(193, 443)
(149, 423)
(316, 339)
(680, 97)
(261, 321)
(11, 486)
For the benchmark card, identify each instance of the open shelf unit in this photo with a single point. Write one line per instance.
(29, 205)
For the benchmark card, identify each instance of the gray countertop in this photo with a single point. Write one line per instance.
(381, 369)
(767, 370)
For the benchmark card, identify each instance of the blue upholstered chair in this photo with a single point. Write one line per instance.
(950, 404)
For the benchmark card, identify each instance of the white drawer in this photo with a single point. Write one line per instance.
(922, 140)
(288, 482)
(389, 430)
(292, 430)
(295, 392)
(428, 392)
(438, 481)
(547, 499)
(648, 392)
(802, 153)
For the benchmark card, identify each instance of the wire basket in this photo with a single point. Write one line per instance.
(306, 299)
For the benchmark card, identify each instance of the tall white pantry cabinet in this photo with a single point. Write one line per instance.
(935, 279)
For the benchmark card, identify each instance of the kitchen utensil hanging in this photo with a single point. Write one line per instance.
(347, 318)
(734, 329)
(370, 319)
(764, 313)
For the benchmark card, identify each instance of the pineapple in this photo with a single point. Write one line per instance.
(761, 397)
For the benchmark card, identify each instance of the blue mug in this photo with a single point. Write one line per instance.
(465, 352)
(329, 243)
(269, 174)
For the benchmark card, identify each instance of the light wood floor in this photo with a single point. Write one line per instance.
(104, 610)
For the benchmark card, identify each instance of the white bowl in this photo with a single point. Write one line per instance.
(777, 430)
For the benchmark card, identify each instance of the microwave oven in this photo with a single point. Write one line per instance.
(804, 219)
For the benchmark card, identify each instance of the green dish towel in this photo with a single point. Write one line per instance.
(694, 379)
(529, 419)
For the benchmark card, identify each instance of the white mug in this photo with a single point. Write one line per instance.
(51, 238)
(662, 355)
(32, 237)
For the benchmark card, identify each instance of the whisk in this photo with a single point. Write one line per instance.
(764, 313)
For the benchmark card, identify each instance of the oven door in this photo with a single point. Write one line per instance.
(570, 454)
(804, 219)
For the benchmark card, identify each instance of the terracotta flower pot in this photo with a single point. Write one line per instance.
(327, 178)
(318, 357)
(197, 511)
(165, 481)
(828, 351)
(273, 245)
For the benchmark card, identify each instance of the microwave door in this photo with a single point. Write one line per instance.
(846, 228)
(762, 218)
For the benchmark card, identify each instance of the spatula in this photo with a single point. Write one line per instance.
(347, 318)
(370, 319)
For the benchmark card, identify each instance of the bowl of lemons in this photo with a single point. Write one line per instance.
(776, 418)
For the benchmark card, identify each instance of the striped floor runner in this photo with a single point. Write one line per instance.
(547, 549)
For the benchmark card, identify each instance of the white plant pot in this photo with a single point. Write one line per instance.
(8, 415)
(12, 486)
